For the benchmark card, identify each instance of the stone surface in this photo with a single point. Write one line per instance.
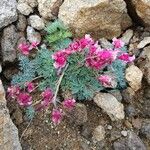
(128, 95)
(142, 8)
(110, 105)
(126, 37)
(117, 94)
(105, 43)
(8, 43)
(130, 111)
(32, 35)
(99, 133)
(101, 18)
(8, 12)
(36, 22)
(9, 133)
(144, 42)
(21, 23)
(31, 3)
(78, 115)
(146, 53)
(49, 8)
(134, 77)
(132, 142)
(24, 9)
(145, 129)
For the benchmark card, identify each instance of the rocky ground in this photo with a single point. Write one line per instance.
(116, 120)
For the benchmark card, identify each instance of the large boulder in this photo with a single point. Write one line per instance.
(9, 139)
(8, 12)
(101, 18)
(142, 8)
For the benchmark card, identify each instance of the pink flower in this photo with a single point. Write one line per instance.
(34, 45)
(57, 116)
(60, 58)
(106, 81)
(98, 59)
(117, 43)
(69, 103)
(126, 58)
(47, 95)
(75, 46)
(24, 48)
(86, 41)
(30, 86)
(24, 99)
(13, 91)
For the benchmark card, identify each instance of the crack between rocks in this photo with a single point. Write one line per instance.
(132, 13)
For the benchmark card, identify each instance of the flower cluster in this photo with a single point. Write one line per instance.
(25, 48)
(25, 99)
(96, 57)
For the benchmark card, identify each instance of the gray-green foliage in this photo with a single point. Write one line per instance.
(79, 79)
(27, 71)
(58, 36)
(30, 112)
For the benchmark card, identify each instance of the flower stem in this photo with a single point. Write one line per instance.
(58, 85)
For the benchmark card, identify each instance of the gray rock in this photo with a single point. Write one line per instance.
(24, 9)
(132, 142)
(32, 35)
(21, 23)
(145, 129)
(110, 105)
(126, 37)
(146, 53)
(134, 77)
(128, 95)
(36, 22)
(9, 139)
(105, 43)
(101, 18)
(78, 115)
(8, 12)
(144, 42)
(8, 43)
(99, 133)
(117, 94)
(130, 111)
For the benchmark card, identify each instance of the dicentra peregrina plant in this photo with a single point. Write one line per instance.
(82, 68)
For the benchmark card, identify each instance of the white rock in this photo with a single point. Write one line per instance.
(109, 127)
(31, 3)
(99, 133)
(32, 35)
(134, 77)
(124, 133)
(105, 43)
(8, 12)
(110, 105)
(126, 37)
(24, 9)
(49, 8)
(144, 42)
(36, 22)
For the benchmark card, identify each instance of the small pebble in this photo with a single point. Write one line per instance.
(124, 133)
(109, 127)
